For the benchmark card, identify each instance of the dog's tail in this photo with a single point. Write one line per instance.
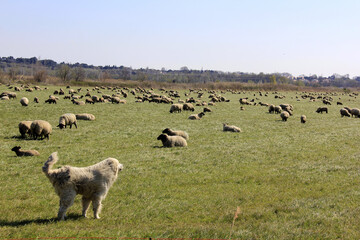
(50, 162)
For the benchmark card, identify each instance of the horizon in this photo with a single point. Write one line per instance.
(297, 37)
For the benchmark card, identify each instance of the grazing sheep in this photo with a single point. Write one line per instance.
(242, 108)
(277, 109)
(74, 101)
(5, 98)
(230, 128)
(115, 100)
(322, 109)
(196, 116)
(67, 119)
(344, 112)
(284, 115)
(24, 153)
(188, 107)
(172, 141)
(24, 101)
(271, 108)
(180, 133)
(206, 109)
(89, 100)
(176, 108)
(355, 112)
(92, 182)
(40, 128)
(25, 128)
(36, 100)
(348, 109)
(85, 116)
(303, 119)
(51, 100)
(339, 103)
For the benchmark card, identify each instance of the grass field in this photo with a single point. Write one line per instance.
(290, 180)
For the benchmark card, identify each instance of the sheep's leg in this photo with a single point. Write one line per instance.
(75, 125)
(85, 204)
(97, 206)
(66, 200)
(70, 125)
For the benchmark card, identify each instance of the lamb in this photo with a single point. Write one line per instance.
(196, 116)
(40, 128)
(24, 153)
(92, 182)
(25, 128)
(67, 119)
(180, 133)
(85, 116)
(172, 141)
(24, 101)
(303, 119)
(176, 108)
(322, 109)
(284, 116)
(188, 107)
(344, 112)
(230, 128)
(355, 112)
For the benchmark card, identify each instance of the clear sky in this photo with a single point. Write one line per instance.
(297, 36)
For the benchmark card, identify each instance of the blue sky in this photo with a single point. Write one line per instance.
(300, 37)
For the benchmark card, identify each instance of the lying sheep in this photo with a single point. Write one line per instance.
(24, 101)
(206, 109)
(67, 119)
(74, 101)
(188, 107)
(24, 153)
(303, 119)
(344, 112)
(322, 109)
(196, 116)
(180, 133)
(40, 128)
(230, 128)
(176, 108)
(284, 116)
(25, 128)
(172, 141)
(85, 116)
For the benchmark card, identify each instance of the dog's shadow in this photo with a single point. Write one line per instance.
(39, 221)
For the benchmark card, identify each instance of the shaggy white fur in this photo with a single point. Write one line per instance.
(92, 182)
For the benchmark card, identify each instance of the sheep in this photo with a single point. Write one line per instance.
(89, 100)
(40, 128)
(196, 116)
(180, 133)
(24, 101)
(176, 108)
(206, 109)
(344, 112)
(322, 109)
(25, 128)
(24, 153)
(172, 141)
(355, 112)
(284, 115)
(5, 98)
(277, 109)
(36, 100)
(230, 128)
(67, 119)
(271, 108)
(115, 100)
(303, 119)
(188, 107)
(78, 102)
(85, 116)
(51, 100)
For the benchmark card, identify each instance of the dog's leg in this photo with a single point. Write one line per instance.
(85, 204)
(97, 206)
(66, 200)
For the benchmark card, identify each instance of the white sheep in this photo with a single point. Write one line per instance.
(67, 119)
(196, 116)
(284, 116)
(40, 128)
(25, 128)
(24, 101)
(172, 141)
(176, 108)
(303, 119)
(180, 133)
(85, 116)
(230, 128)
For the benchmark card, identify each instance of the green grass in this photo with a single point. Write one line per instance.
(291, 180)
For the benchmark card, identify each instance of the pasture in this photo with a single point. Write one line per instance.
(290, 180)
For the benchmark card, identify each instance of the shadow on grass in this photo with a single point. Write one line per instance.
(4, 223)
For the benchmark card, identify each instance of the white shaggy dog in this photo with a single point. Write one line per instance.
(93, 182)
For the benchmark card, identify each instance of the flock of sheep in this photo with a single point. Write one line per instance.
(169, 138)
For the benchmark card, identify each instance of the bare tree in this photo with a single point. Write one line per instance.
(63, 72)
(40, 76)
(12, 73)
(78, 74)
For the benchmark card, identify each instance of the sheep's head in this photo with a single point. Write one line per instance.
(16, 148)
(61, 126)
(166, 130)
(162, 137)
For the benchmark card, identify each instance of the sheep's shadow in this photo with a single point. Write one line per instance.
(4, 223)
(19, 138)
(158, 146)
